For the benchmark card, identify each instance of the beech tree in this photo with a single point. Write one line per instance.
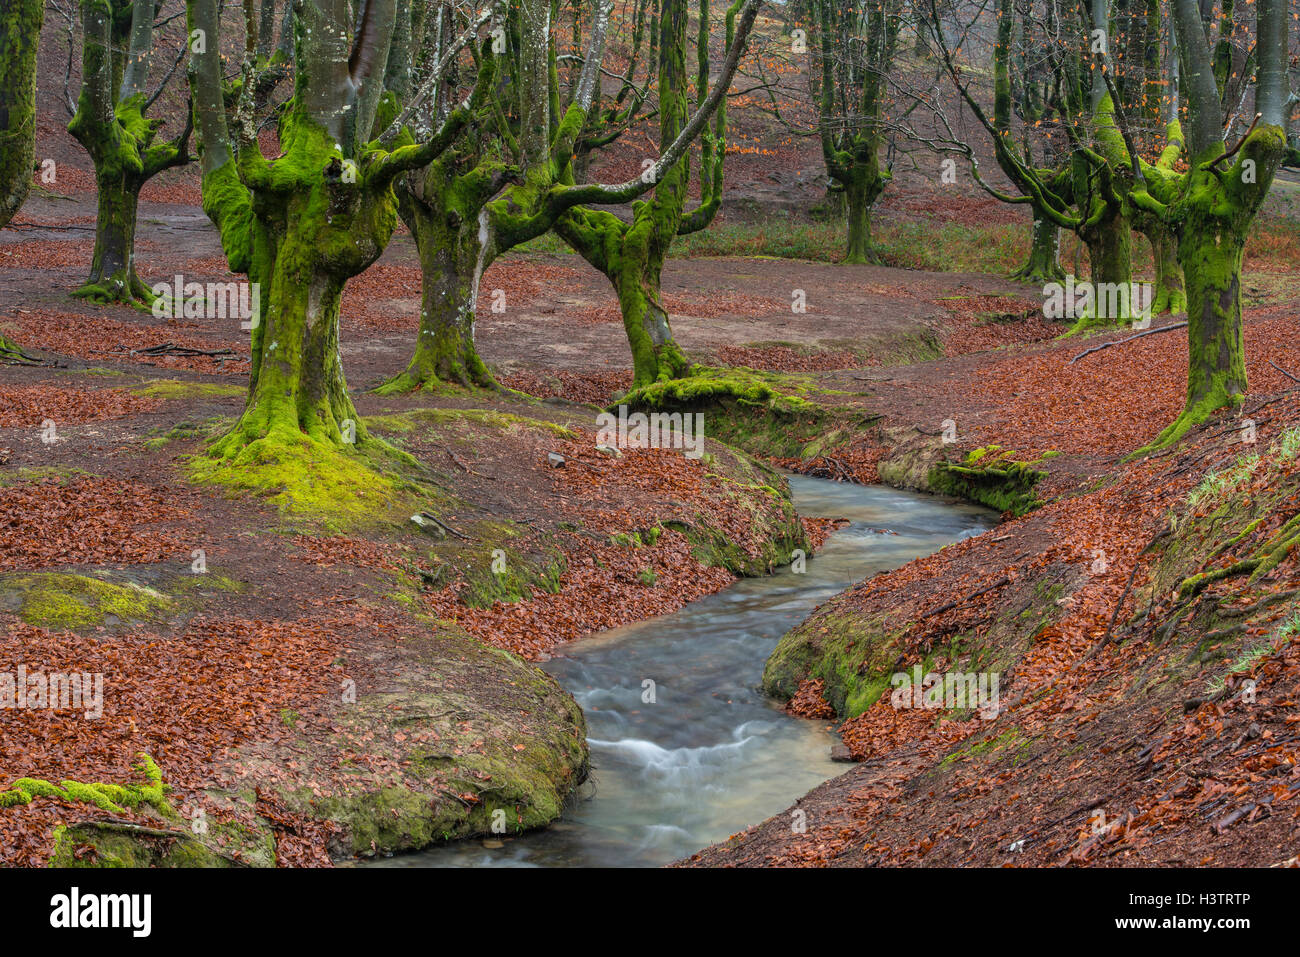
(1087, 194)
(856, 47)
(20, 28)
(301, 223)
(631, 253)
(494, 189)
(612, 116)
(110, 123)
(513, 183)
(1211, 205)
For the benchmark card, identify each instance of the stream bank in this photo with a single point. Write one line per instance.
(685, 748)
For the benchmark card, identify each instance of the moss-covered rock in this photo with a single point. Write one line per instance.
(61, 600)
(491, 744)
(117, 844)
(856, 654)
(992, 477)
(752, 410)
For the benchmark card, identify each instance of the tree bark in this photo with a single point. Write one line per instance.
(20, 28)
(1043, 264)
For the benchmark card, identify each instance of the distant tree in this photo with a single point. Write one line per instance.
(110, 123)
(856, 46)
(20, 30)
(631, 253)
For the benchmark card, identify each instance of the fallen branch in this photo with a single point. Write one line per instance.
(441, 524)
(1120, 342)
(1004, 580)
(1283, 371)
(171, 349)
(16, 357)
(1137, 562)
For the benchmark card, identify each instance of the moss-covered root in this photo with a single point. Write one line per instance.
(1271, 554)
(106, 797)
(104, 844)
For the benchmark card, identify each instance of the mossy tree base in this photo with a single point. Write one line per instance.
(1044, 262)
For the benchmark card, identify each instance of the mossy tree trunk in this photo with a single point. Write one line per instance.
(111, 126)
(864, 186)
(448, 221)
(20, 28)
(631, 255)
(638, 274)
(1215, 213)
(856, 52)
(1214, 203)
(332, 231)
(1170, 293)
(303, 223)
(1110, 260)
(1043, 265)
(459, 215)
(112, 267)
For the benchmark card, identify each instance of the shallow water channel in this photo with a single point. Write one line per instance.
(711, 755)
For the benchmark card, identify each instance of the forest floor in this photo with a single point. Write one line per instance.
(230, 678)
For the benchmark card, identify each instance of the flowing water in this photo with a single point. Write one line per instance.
(709, 755)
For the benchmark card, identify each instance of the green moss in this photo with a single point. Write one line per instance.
(183, 431)
(311, 480)
(106, 797)
(991, 746)
(853, 655)
(181, 389)
(540, 565)
(992, 477)
(110, 844)
(856, 655)
(439, 420)
(58, 600)
(752, 410)
(707, 387)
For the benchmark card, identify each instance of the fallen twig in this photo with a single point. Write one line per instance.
(1120, 342)
(1283, 371)
(1004, 580)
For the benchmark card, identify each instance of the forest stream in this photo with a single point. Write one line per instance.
(701, 754)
